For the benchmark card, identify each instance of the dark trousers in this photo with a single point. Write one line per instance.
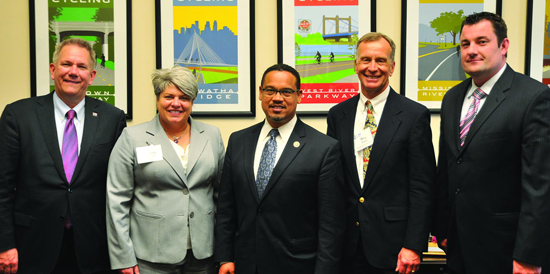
(67, 262)
(361, 265)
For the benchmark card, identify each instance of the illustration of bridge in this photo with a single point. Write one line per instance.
(98, 29)
(336, 31)
(198, 53)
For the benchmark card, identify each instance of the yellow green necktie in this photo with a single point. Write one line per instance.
(371, 124)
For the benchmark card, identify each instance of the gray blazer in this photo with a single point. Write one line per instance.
(151, 206)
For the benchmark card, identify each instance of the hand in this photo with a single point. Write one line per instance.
(9, 261)
(442, 244)
(408, 261)
(525, 268)
(227, 268)
(130, 270)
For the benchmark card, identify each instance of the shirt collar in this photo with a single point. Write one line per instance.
(487, 86)
(284, 130)
(61, 108)
(377, 102)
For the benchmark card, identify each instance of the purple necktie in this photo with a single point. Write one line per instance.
(70, 146)
(470, 115)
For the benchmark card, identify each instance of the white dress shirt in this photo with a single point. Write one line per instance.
(378, 104)
(284, 134)
(60, 113)
(486, 87)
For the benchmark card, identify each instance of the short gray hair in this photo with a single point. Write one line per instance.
(179, 77)
(375, 36)
(75, 41)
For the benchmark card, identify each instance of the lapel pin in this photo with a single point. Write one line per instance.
(94, 113)
(296, 144)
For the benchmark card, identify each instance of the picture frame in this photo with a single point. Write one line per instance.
(429, 79)
(110, 36)
(318, 38)
(215, 41)
(537, 63)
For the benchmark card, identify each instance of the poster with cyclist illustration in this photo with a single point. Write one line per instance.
(319, 40)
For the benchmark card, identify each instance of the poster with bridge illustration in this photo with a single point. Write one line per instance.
(537, 57)
(319, 40)
(94, 21)
(432, 47)
(212, 39)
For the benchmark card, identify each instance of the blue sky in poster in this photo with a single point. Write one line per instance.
(315, 14)
(428, 12)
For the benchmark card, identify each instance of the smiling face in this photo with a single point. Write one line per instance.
(482, 57)
(174, 108)
(72, 74)
(278, 109)
(374, 66)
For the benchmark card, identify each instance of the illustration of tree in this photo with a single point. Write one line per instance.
(448, 22)
(104, 15)
(352, 44)
(297, 49)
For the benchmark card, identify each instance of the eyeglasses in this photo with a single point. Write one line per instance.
(270, 92)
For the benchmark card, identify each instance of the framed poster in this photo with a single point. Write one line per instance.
(318, 38)
(537, 48)
(431, 46)
(52, 21)
(214, 40)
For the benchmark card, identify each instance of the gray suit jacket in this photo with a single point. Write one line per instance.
(151, 206)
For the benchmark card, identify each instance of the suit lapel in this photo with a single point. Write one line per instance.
(289, 153)
(198, 143)
(46, 118)
(91, 121)
(157, 136)
(456, 113)
(494, 99)
(388, 125)
(347, 125)
(249, 151)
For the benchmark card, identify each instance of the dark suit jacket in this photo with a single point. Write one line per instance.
(34, 193)
(494, 192)
(298, 224)
(399, 183)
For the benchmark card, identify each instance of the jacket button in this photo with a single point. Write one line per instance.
(362, 200)
(70, 190)
(457, 191)
(185, 191)
(459, 161)
(259, 212)
(192, 215)
(357, 223)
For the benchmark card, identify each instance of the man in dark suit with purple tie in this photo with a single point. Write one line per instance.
(53, 171)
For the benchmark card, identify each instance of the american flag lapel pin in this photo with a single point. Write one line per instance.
(94, 113)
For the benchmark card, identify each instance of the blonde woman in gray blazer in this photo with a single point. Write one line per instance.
(162, 186)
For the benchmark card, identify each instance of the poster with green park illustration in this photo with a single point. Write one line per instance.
(95, 22)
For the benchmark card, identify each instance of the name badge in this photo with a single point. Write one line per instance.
(149, 154)
(363, 140)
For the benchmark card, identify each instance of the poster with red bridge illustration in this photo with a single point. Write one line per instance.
(319, 40)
